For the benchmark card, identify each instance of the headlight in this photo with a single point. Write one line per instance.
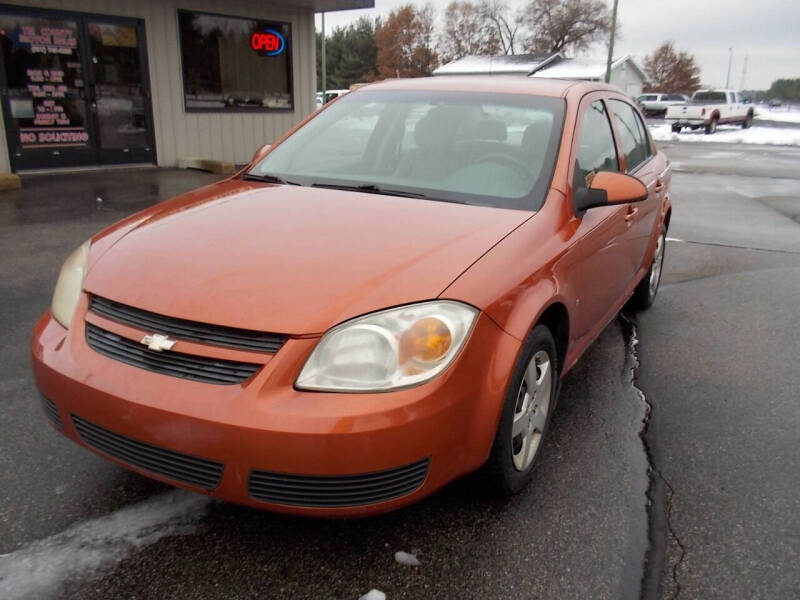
(395, 348)
(69, 285)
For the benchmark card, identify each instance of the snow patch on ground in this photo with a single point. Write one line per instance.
(731, 134)
(406, 558)
(39, 569)
(373, 595)
(779, 115)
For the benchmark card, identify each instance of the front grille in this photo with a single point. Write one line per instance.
(51, 411)
(337, 491)
(176, 364)
(175, 465)
(217, 335)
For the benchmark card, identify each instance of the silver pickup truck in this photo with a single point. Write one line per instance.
(709, 108)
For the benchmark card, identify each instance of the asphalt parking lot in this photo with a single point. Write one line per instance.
(672, 469)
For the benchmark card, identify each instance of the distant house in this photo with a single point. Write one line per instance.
(625, 73)
(505, 64)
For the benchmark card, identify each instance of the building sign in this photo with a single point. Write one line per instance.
(268, 42)
(46, 40)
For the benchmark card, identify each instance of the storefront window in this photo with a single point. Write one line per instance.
(234, 63)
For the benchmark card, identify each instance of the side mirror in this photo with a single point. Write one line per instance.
(259, 154)
(607, 189)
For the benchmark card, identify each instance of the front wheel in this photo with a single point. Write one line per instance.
(748, 121)
(525, 420)
(645, 293)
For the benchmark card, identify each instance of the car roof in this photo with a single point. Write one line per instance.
(508, 84)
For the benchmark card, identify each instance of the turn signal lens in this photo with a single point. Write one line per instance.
(388, 350)
(428, 340)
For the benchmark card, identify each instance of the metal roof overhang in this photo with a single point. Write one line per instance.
(330, 5)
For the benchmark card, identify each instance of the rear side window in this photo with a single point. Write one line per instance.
(596, 151)
(633, 137)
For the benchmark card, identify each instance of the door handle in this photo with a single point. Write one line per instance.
(632, 210)
(659, 186)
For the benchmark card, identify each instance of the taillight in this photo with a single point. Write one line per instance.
(702, 111)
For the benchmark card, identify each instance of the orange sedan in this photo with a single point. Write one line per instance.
(381, 302)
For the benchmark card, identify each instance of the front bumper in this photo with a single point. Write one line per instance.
(264, 426)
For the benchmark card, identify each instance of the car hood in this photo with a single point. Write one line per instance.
(289, 259)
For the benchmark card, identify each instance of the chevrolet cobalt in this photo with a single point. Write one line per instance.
(384, 300)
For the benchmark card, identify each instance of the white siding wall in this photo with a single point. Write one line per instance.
(626, 78)
(231, 137)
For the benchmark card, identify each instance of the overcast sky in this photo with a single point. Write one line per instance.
(767, 32)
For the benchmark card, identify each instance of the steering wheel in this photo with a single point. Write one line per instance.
(520, 167)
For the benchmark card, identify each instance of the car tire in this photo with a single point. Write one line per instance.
(712, 126)
(748, 121)
(513, 457)
(645, 293)
(676, 128)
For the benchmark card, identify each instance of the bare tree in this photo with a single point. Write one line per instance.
(506, 23)
(565, 25)
(671, 71)
(465, 32)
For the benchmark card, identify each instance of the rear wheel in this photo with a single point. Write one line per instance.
(645, 293)
(526, 415)
(712, 126)
(676, 128)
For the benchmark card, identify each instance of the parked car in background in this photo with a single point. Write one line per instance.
(379, 303)
(328, 96)
(709, 108)
(657, 104)
(331, 94)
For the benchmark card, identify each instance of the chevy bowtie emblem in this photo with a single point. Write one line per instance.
(158, 342)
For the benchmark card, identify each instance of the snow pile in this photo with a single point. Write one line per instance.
(373, 595)
(40, 568)
(406, 558)
(731, 134)
(778, 115)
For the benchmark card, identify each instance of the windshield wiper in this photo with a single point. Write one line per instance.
(268, 179)
(369, 188)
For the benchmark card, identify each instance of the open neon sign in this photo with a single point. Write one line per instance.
(268, 42)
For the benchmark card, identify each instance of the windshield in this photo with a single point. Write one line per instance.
(475, 148)
(709, 98)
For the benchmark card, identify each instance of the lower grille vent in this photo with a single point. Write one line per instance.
(337, 491)
(51, 411)
(175, 465)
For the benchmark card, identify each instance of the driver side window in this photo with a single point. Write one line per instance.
(596, 150)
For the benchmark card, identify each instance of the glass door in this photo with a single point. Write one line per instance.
(75, 89)
(45, 98)
(119, 91)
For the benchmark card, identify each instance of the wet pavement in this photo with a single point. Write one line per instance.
(716, 355)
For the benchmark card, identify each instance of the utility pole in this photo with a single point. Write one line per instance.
(744, 72)
(730, 60)
(611, 42)
(324, 62)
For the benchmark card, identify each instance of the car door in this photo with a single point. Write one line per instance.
(639, 160)
(594, 264)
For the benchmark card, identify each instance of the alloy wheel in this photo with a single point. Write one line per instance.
(658, 261)
(531, 410)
